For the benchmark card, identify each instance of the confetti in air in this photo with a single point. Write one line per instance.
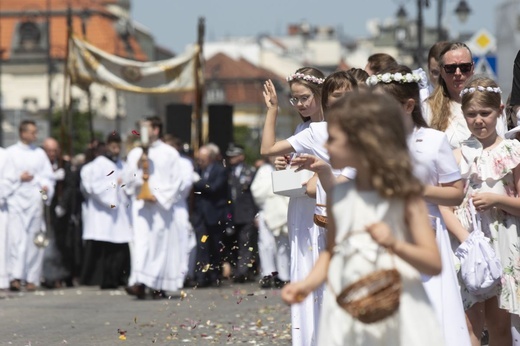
(204, 238)
(134, 132)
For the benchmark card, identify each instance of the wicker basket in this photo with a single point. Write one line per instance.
(320, 220)
(374, 297)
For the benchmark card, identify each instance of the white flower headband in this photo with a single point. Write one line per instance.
(496, 90)
(306, 77)
(393, 77)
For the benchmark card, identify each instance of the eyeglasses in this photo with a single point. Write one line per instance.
(452, 68)
(304, 99)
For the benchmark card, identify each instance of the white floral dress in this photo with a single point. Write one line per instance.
(492, 171)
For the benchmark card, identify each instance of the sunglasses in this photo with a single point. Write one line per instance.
(452, 68)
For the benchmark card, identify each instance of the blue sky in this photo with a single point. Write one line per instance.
(174, 22)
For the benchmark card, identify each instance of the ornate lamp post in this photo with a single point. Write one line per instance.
(462, 11)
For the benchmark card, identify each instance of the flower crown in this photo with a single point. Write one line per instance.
(306, 77)
(496, 90)
(393, 77)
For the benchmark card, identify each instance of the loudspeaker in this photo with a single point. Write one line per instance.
(220, 126)
(178, 121)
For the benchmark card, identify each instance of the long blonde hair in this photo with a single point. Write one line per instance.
(439, 100)
(374, 126)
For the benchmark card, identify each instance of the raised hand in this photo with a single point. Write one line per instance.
(270, 97)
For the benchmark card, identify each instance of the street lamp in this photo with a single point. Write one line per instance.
(463, 11)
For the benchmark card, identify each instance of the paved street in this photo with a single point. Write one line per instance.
(229, 315)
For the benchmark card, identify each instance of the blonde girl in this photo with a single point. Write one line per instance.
(490, 164)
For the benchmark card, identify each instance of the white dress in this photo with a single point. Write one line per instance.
(301, 229)
(492, 171)
(435, 164)
(354, 257)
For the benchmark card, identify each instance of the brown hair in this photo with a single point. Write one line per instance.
(380, 61)
(359, 75)
(439, 100)
(24, 124)
(436, 50)
(482, 97)
(402, 92)
(369, 119)
(156, 123)
(335, 81)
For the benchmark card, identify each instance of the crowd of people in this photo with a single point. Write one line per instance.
(153, 221)
(408, 167)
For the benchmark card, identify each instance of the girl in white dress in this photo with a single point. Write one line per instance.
(381, 208)
(436, 167)
(491, 167)
(305, 86)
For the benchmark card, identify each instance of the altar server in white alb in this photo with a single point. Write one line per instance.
(4, 189)
(30, 175)
(109, 229)
(156, 252)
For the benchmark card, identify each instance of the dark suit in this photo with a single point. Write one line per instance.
(244, 211)
(209, 220)
(515, 90)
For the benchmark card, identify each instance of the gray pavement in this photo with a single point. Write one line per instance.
(228, 315)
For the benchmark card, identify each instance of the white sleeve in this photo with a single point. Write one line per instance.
(447, 167)
(303, 141)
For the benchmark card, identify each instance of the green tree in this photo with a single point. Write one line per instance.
(73, 137)
(248, 138)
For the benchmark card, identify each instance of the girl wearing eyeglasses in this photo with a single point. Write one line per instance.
(442, 109)
(305, 85)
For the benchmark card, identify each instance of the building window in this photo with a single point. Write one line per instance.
(30, 35)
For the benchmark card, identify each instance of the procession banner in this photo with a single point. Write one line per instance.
(88, 64)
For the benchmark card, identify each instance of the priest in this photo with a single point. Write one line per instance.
(154, 180)
(31, 181)
(108, 231)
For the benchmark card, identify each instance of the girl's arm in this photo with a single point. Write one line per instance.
(422, 252)
(486, 200)
(317, 165)
(296, 292)
(453, 224)
(269, 146)
(311, 186)
(447, 194)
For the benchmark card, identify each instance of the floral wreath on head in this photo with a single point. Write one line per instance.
(496, 90)
(394, 77)
(306, 77)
